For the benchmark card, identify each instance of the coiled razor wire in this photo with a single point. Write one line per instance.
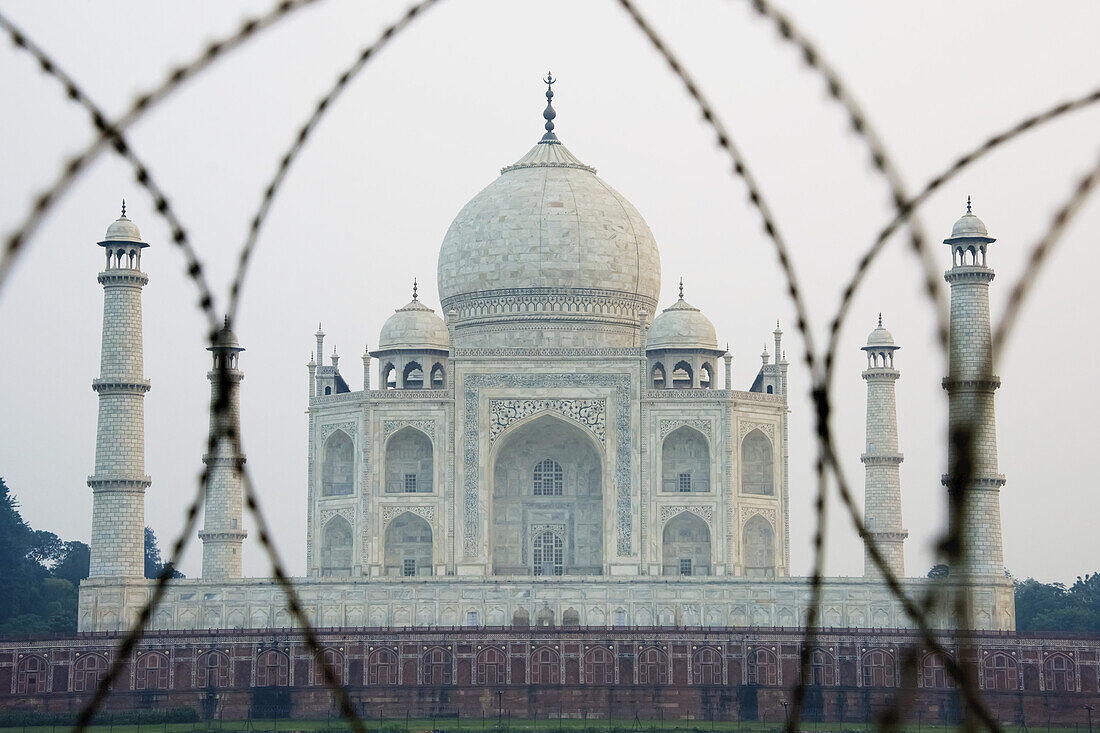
(822, 370)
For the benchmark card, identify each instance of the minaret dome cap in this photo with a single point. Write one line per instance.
(122, 230)
(880, 339)
(969, 228)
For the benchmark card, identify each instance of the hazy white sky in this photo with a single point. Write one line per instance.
(431, 122)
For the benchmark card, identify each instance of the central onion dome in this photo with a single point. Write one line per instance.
(548, 255)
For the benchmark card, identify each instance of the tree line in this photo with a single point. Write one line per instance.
(40, 572)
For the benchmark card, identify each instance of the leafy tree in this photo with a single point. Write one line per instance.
(74, 564)
(939, 571)
(154, 564)
(1053, 607)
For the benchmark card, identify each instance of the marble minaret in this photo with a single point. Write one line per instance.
(973, 479)
(881, 459)
(119, 483)
(222, 532)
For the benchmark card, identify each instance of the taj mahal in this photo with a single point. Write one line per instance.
(548, 446)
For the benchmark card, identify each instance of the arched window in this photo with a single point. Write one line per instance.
(1058, 674)
(272, 669)
(436, 666)
(683, 376)
(758, 548)
(771, 389)
(389, 376)
(328, 390)
(757, 476)
(408, 546)
(336, 548)
(547, 480)
(412, 377)
(88, 671)
(599, 667)
(658, 376)
(521, 618)
(933, 672)
(762, 667)
(1000, 672)
(685, 546)
(545, 617)
(151, 672)
(878, 668)
(212, 670)
(490, 667)
(706, 376)
(409, 462)
(706, 666)
(331, 659)
(545, 666)
(439, 377)
(822, 668)
(652, 667)
(685, 461)
(338, 465)
(548, 554)
(570, 617)
(382, 667)
(30, 678)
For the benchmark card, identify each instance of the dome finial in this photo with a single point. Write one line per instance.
(968, 206)
(880, 319)
(549, 114)
(414, 288)
(681, 287)
(225, 321)
(124, 207)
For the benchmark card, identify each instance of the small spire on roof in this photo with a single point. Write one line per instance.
(681, 287)
(124, 207)
(549, 114)
(880, 319)
(968, 205)
(414, 288)
(225, 321)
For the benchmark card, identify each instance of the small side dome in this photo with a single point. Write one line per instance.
(414, 326)
(681, 326)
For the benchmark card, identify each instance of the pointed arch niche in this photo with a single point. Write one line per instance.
(540, 452)
(685, 461)
(408, 546)
(685, 546)
(757, 466)
(409, 463)
(758, 548)
(338, 465)
(336, 548)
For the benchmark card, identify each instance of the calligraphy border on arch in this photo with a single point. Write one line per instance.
(474, 383)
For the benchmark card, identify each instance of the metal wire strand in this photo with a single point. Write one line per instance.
(109, 131)
(141, 171)
(319, 111)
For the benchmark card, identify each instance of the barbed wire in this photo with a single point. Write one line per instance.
(822, 369)
(110, 131)
(304, 132)
(819, 393)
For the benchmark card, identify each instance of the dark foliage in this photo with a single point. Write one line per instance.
(40, 573)
(1054, 607)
